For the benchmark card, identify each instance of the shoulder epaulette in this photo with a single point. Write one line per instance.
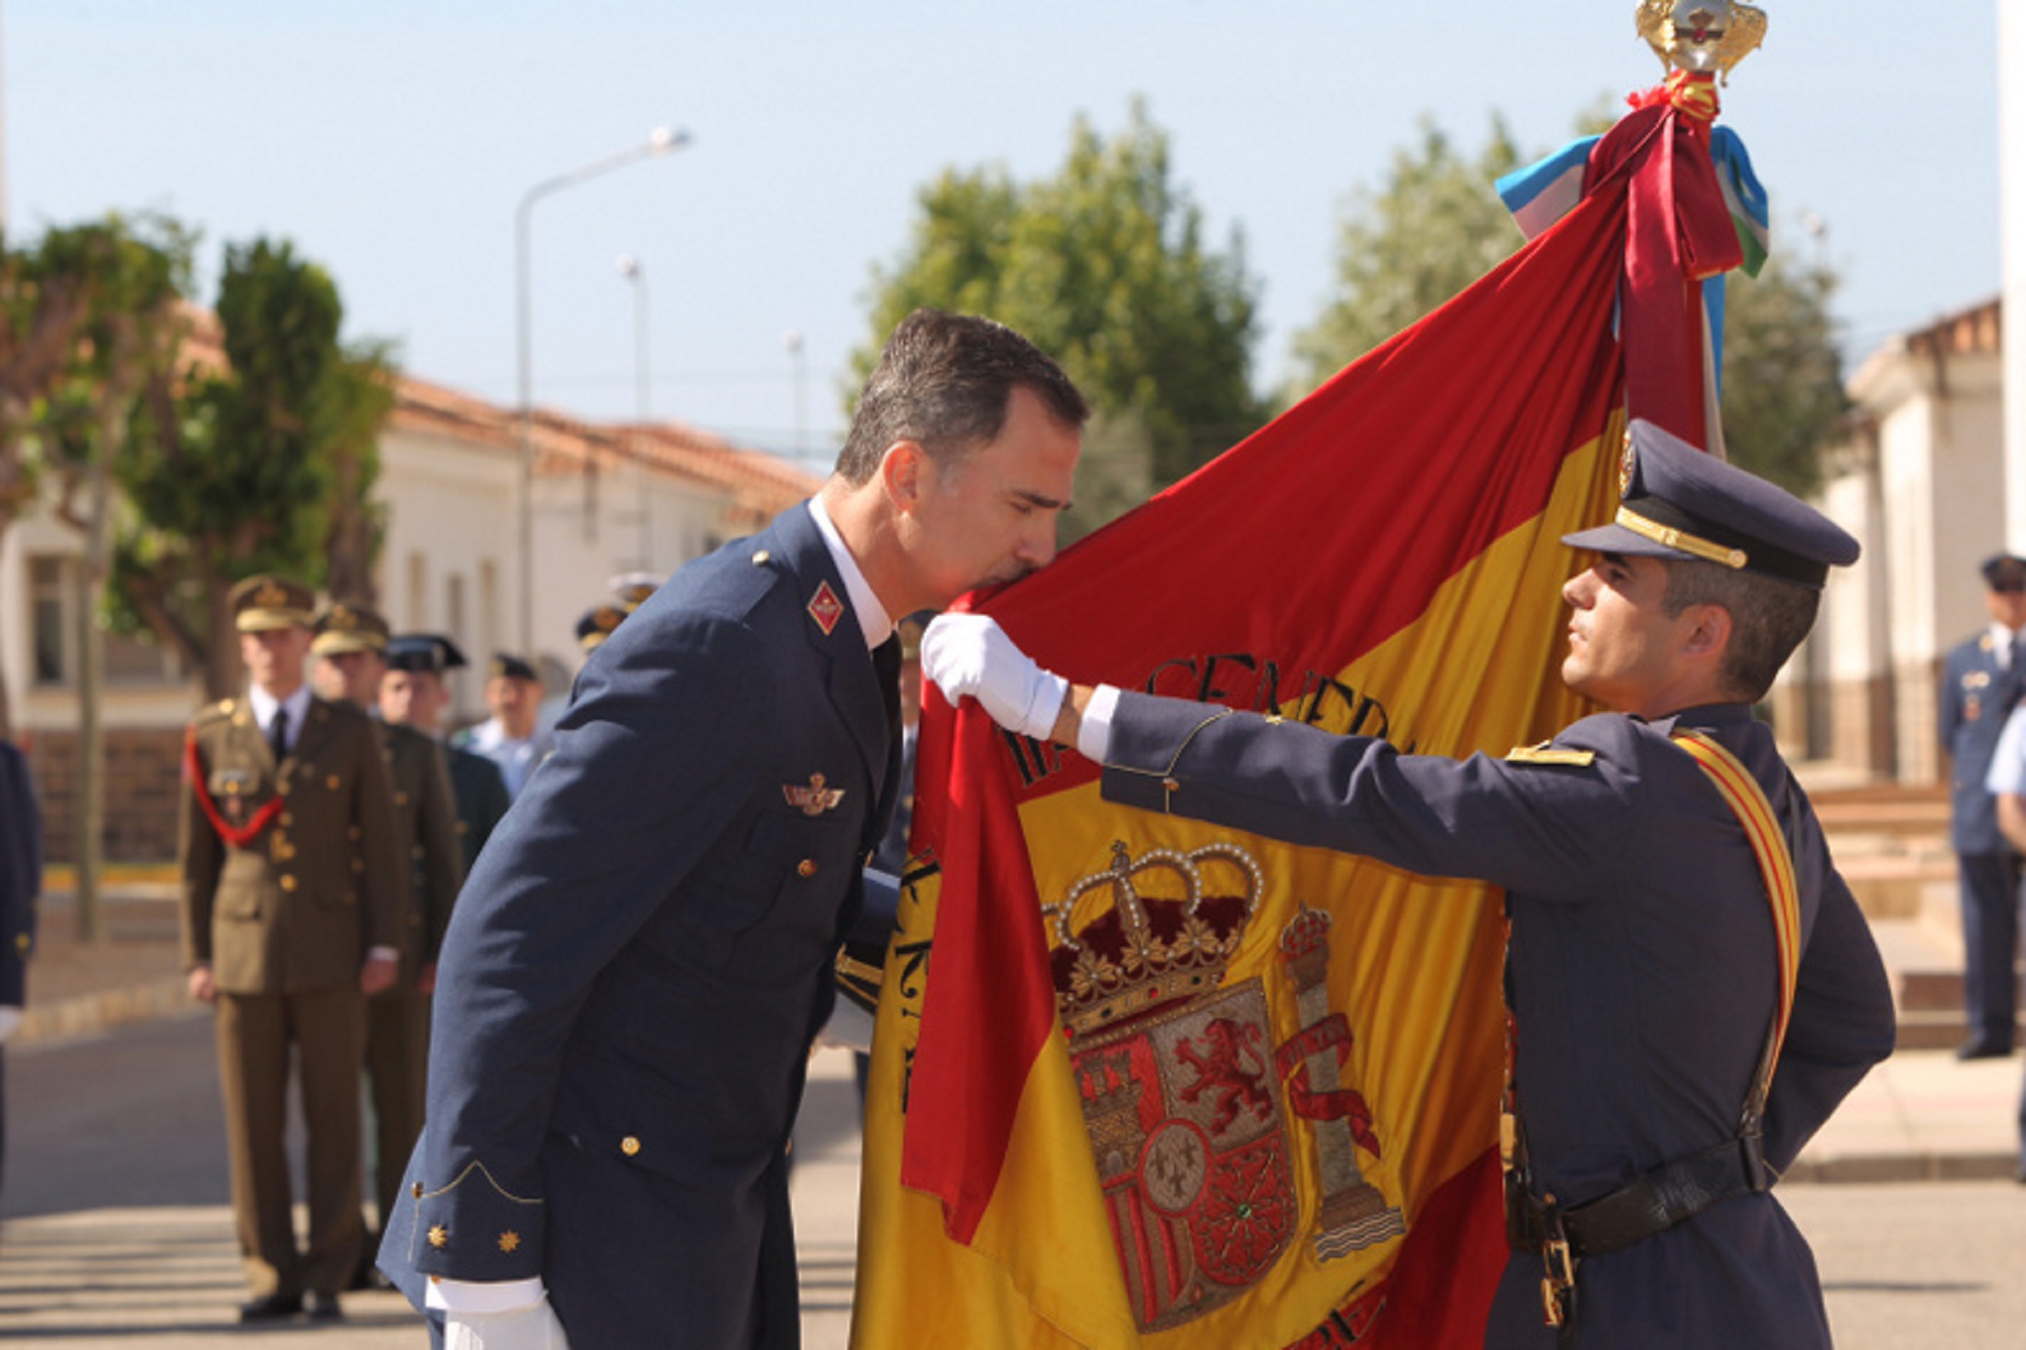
(212, 712)
(1547, 753)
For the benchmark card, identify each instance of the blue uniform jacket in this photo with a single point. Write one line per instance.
(1642, 971)
(20, 874)
(639, 961)
(1976, 695)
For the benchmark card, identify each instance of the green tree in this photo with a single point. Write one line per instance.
(1782, 371)
(1436, 225)
(1430, 230)
(1104, 265)
(254, 463)
(120, 285)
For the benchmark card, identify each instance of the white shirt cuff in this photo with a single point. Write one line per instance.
(470, 1296)
(1093, 732)
(383, 953)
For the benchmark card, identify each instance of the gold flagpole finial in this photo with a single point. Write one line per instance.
(1702, 36)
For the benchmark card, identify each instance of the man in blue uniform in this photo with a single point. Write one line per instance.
(20, 884)
(1981, 683)
(643, 954)
(1644, 971)
(413, 692)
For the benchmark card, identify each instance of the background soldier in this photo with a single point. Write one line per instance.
(350, 642)
(512, 738)
(291, 915)
(20, 884)
(412, 693)
(1981, 683)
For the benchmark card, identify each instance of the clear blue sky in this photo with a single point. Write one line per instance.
(392, 142)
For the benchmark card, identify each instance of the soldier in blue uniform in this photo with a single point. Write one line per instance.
(1644, 970)
(1982, 680)
(20, 884)
(413, 693)
(643, 954)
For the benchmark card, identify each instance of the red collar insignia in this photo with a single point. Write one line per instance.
(825, 608)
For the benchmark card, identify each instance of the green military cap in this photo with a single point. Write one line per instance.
(597, 625)
(265, 602)
(349, 628)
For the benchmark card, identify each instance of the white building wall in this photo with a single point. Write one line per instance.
(2012, 207)
(445, 566)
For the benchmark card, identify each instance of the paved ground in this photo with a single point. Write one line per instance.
(113, 1243)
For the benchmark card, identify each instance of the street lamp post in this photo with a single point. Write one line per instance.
(631, 268)
(661, 142)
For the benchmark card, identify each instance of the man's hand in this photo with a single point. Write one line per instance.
(968, 654)
(531, 1328)
(425, 982)
(378, 974)
(202, 987)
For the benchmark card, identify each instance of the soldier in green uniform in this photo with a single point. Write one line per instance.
(412, 692)
(291, 909)
(350, 646)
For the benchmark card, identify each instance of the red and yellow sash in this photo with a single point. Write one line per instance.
(1769, 844)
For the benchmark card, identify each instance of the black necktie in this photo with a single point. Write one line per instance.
(277, 734)
(886, 663)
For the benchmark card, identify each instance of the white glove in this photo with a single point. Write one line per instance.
(968, 654)
(531, 1328)
(10, 1018)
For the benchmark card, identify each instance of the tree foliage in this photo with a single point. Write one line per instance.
(89, 315)
(254, 463)
(1432, 228)
(1104, 266)
(1436, 224)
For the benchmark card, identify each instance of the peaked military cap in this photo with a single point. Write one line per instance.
(597, 625)
(633, 588)
(2004, 571)
(349, 628)
(506, 666)
(432, 653)
(1679, 502)
(265, 602)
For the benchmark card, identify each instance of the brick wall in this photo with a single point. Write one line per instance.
(143, 773)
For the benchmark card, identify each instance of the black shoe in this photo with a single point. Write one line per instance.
(324, 1308)
(271, 1308)
(1979, 1048)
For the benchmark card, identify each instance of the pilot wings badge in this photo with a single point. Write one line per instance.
(815, 799)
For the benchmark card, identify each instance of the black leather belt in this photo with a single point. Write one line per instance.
(1654, 1203)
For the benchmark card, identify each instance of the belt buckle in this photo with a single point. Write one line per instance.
(1558, 1283)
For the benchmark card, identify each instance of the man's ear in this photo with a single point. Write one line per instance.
(1709, 632)
(900, 474)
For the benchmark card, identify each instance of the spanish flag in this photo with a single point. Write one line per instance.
(1140, 1081)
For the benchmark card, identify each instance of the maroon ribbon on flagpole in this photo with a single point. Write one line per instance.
(1678, 231)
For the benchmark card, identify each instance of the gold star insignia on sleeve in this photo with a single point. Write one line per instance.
(439, 1236)
(509, 1241)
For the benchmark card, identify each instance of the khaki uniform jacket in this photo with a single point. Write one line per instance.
(425, 812)
(297, 906)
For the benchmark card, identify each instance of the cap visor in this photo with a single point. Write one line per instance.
(1618, 539)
